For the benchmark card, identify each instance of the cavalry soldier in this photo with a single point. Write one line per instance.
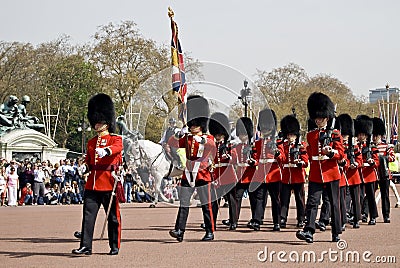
(223, 170)
(386, 155)
(295, 160)
(363, 127)
(324, 149)
(268, 175)
(104, 156)
(245, 168)
(351, 166)
(200, 151)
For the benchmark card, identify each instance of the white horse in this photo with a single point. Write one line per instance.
(153, 156)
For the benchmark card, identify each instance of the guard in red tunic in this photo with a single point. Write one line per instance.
(324, 149)
(295, 160)
(104, 156)
(386, 155)
(363, 126)
(351, 166)
(268, 175)
(200, 152)
(245, 161)
(223, 164)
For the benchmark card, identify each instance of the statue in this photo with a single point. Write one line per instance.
(13, 116)
(128, 137)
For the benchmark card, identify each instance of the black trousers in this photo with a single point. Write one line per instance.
(369, 203)
(343, 208)
(355, 201)
(235, 201)
(209, 205)
(274, 190)
(314, 197)
(325, 212)
(299, 195)
(257, 202)
(384, 185)
(91, 206)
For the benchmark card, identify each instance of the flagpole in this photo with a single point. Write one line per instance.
(388, 115)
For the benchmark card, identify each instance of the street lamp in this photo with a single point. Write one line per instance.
(83, 127)
(294, 111)
(245, 96)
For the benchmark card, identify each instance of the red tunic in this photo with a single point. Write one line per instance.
(199, 155)
(322, 168)
(269, 169)
(353, 174)
(369, 172)
(224, 171)
(244, 170)
(100, 178)
(292, 173)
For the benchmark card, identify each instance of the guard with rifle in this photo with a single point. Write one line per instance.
(363, 126)
(295, 161)
(200, 151)
(386, 155)
(351, 165)
(268, 176)
(245, 167)
(104, 156)
(223, 170)
(324, 149)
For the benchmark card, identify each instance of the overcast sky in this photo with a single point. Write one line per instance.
(356, 41)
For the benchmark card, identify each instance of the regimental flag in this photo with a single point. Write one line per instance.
(395, 124)
(178, 69)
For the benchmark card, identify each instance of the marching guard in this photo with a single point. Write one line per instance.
(324, 149)
(268, 175)
(245, 168)
(104, 156)
(200, 151)
(363, 126)
(386, 155)
(295, 160)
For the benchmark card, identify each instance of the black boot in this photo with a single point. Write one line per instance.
(305, 235)
(178, 234)
(335, 238)
(226, 222)
(372, 221)
(233, 226)
(283, 223)
(208, 236)
(82, 251)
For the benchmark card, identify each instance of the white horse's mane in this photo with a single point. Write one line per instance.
(152, 149)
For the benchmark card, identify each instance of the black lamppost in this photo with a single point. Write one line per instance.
(83, 127)
(294, 111)
(245, 96)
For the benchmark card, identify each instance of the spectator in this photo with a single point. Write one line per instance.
(82, 173)
(69, 172)
(67, 194)
(3, 186)
(12, 184)
(128, 182)
(26, 195)
(57, 175)
(143, 172)
(38, 184)
(77, 197)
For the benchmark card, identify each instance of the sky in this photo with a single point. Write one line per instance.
(354, 41)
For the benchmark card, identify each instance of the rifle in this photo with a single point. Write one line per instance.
(350, 151)
(367, 149)
(326, 137)
(295, 151)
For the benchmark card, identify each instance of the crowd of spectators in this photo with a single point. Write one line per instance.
(44, 183)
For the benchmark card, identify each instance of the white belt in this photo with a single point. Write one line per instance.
(243, 164)
(267, 160)
(366, 165)
(221, 165)
(320, 157)
(289, 165)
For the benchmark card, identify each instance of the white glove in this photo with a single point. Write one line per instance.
(197, 138)
(101, 152)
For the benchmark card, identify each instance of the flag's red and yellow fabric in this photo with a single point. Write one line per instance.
(178, 69)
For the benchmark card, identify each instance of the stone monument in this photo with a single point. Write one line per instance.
(20, 137)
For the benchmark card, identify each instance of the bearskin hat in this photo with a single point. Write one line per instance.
(346, 124)
(198, 112)
(219, 124)
(267, 120)
(244, 126)
(320, 105)
(379, 126)
(290, 124)
(101, 110)
(363, 124)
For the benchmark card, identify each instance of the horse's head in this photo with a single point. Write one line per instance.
(136, 154)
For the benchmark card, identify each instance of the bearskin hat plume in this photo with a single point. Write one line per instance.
(244, 126)
(101, 110)
(198, 112)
